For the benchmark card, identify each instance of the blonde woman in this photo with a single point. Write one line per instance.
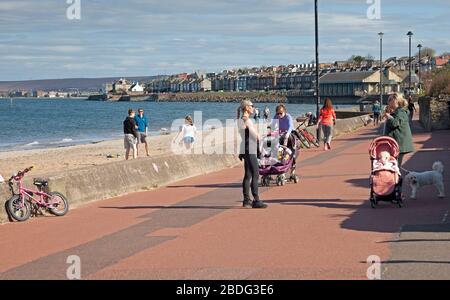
(188, 130)
(397, 125)
(248, 153)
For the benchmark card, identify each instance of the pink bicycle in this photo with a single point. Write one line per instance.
(21, 204)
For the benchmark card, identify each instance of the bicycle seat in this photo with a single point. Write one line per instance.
(40, 182)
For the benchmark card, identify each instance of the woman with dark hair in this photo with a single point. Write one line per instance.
(248, 153)
(327, 119)
(411, 108)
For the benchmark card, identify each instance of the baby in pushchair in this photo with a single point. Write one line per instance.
(386, 162)
(276, 159)
(385, 178)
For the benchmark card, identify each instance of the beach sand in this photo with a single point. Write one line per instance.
(54, 160)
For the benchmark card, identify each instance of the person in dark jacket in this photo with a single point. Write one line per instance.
(131, 134)
(411, 108)
(397, 125)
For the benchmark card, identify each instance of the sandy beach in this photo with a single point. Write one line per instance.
(53, 160)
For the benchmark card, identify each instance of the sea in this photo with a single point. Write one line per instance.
(31, 123)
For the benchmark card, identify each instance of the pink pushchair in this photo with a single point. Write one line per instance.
(385, 185)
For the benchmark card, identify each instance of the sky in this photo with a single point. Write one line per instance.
(40, 40)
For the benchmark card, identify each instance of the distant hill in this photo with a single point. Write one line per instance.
(65, 84)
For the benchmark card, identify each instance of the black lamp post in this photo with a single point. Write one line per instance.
(409, 34)
(380, 34)
(317, 64)
(420, 64)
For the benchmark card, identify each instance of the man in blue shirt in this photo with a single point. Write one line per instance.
(142, 128)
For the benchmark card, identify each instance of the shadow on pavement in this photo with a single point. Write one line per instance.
(214, 185)
(414, 241)
(324, 203)
(172, 207)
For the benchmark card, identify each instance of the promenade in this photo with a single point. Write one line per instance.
(321, 228)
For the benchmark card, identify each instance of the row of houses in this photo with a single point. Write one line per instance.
(352, 83)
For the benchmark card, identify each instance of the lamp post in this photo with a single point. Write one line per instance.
(380, 34)
(409, 34)
(420, 64)
(317, 63)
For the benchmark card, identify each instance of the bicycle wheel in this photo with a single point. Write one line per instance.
(59, 206)
(304, 140)
(312, 139)
(18, 213)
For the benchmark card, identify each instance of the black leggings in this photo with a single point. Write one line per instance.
(251, 177)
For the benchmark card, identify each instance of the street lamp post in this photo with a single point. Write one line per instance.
(381, 67)
(420, 64)
(317, 63)
(409, 34)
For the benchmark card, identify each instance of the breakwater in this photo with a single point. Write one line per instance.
(257, 97)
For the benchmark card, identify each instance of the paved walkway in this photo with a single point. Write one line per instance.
(321, 228)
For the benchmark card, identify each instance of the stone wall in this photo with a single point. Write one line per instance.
(435, 112)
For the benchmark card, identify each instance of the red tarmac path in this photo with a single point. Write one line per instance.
(321, 228)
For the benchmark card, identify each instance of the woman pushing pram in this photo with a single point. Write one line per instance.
(284, 124)
(280, 149)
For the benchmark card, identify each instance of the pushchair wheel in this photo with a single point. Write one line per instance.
(279, 181)
(263, 180)
(295, 179)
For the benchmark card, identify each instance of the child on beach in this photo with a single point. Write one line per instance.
(188, 130)
(386, 162)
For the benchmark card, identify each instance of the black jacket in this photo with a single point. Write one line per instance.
(129, 127)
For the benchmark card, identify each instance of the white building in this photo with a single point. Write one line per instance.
(137, 88)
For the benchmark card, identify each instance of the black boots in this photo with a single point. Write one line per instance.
(254, 204)
(247, 203)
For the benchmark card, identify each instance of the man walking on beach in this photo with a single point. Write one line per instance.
(131, 134)
(142, 124)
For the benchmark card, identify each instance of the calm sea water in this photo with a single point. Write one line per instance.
(45, 123)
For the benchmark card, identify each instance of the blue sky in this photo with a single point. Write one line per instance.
(150, 37)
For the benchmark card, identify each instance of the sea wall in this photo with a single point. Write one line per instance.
(119, 178)
(258, 97)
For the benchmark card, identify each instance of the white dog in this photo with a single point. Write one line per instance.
(419, 179)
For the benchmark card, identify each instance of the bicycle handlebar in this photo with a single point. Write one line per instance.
(20, 174)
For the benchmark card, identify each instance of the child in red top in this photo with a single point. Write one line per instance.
(327, 119)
